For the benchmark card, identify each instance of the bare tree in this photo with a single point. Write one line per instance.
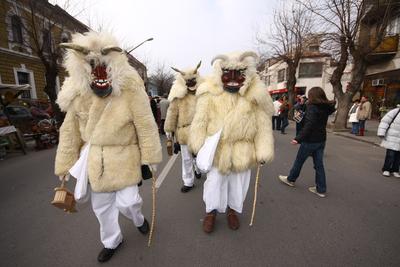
(162, 78)
(287, 40)
(349, 23)
(45, 27)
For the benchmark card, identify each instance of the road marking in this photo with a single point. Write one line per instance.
(166, 170)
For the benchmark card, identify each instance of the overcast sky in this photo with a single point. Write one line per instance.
(184, 31)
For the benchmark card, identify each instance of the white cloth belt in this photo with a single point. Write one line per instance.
(80, 172)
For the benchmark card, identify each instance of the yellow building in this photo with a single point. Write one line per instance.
(20, 40)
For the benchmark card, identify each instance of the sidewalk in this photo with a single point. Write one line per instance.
(370, 136)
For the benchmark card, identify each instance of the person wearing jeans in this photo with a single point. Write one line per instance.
(312, 138)
(316, 151)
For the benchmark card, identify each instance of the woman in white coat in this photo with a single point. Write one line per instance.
(389, 130)
(353, 117)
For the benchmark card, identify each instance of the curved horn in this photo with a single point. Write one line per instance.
(222, 57)
(75, 47)
(248, 54)
(110, 48)
(197, 67)
(181, 72)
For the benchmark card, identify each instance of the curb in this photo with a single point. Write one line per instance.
(356, 139)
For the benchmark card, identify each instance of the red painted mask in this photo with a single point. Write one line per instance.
(233, 79)
(100, 85)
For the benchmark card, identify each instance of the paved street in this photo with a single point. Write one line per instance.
(358, 224)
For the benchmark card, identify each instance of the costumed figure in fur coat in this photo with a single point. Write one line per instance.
(233, 100)
(182, 98)
(108, 116)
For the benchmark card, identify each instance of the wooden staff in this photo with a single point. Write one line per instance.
(153, 213)
(255, 195)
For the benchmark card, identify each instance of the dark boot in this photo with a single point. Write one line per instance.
(197, 175)
(145, 228)
(233, 220)
(209, 222)
(361, 132)
(185, 189)
(107, 253)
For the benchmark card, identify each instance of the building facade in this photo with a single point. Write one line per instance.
(19, 63)
(315, 69)
(382, 80)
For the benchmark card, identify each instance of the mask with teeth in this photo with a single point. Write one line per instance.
(235, 71)
(189, 77)
(233, 79)
(96, 54)
(100, 85)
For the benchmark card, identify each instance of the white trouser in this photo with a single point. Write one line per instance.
(187, 166)
(221, 190)
(107, 206)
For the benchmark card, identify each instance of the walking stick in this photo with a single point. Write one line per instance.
(153, 212)
(255, 195)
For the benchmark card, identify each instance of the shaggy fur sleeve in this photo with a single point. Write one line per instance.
(69, 146)
(171, 120)
(198, 128)
(264, 139)
(146, 128)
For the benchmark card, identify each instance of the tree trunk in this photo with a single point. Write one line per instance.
(50, 90)
(343, 107)
(291, 86)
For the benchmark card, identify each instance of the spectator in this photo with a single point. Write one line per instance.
(363, 114)
(284, 114)
(389, 130)
(312, 138)
(153, 105)
(164, 103)
(276, 120)
(299, 113)
(353, 117)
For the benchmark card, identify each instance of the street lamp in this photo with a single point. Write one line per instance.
(150, 39)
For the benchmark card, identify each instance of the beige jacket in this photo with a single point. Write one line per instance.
(246, 122)
(122, 137)
(364, 111)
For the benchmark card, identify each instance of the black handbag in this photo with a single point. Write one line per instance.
(177, 148)
(146, 173)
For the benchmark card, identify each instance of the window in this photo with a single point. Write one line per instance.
(313, 48)
(310, 70)
(46, 41)
(16, 27)
(281, 75)
(23, 78)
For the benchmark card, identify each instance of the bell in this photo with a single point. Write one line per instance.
(169, 147)
(64, 199)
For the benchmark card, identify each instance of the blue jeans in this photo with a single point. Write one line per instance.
(316, 150)
(354, 127)
(361, 124)
(284, 124)
(392, 161)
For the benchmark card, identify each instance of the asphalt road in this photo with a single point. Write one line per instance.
(358, 224)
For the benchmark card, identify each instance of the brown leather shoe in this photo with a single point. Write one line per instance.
(233, 220)
(209, 222)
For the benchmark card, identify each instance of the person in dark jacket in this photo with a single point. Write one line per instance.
(312, 138)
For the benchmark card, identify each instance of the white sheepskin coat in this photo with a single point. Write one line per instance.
(182, 107)
(245, 118)
(122, 137)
